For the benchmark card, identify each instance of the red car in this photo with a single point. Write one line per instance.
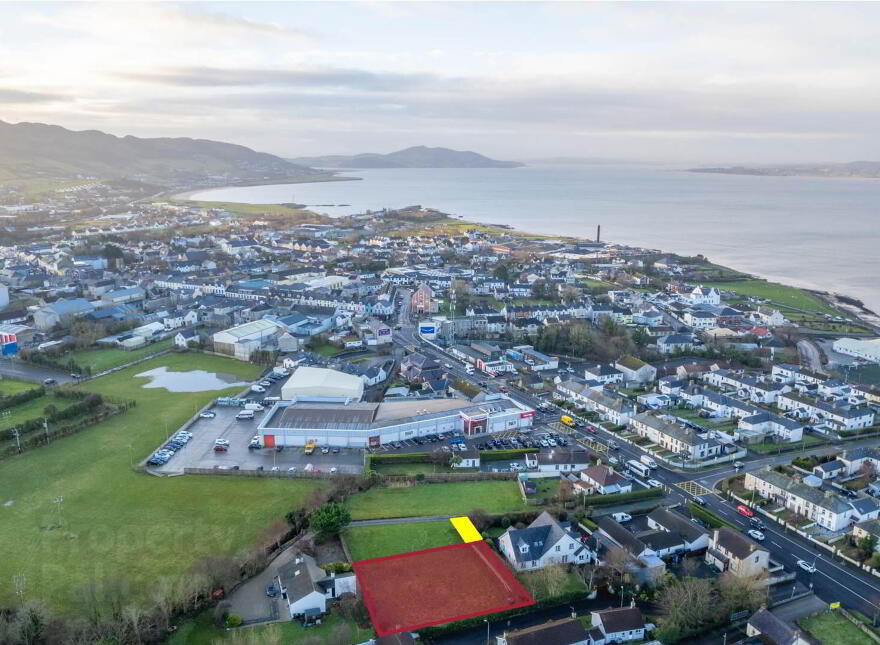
(591, 429)
(220, 448)
(742, 509)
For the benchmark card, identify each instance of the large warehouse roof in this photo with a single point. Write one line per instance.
(319, 381)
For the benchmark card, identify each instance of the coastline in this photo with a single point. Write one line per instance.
(186, 195)
(835, 299)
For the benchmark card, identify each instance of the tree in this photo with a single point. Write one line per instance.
(741, 594)
(867, 545)
(617, 562)
(868, 470)
(566, 492)
(440, 458)
(480, 519)
(329, 519)
(687, 604)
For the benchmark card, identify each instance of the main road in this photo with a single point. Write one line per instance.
(833, 581)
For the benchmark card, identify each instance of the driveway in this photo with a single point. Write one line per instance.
(250, 600)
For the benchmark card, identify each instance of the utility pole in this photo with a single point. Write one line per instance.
(46, 428)
(58, 501)
(17, 434)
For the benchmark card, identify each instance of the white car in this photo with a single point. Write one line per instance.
(653, 483)
(276, 469)
(221, 442)
(613, 460)
(755, 534)
(257, 389)
(515, 466)
(806, 566)
(621, 517)
(333, 470)
(208, 414)
(292, 469)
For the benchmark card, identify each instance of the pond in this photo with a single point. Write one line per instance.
(193, 381)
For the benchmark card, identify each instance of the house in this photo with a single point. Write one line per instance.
(469, 458)
(825, 508)
(563, 460)
(829, 469)
(619, 625)
(603, 373)
(675, 343)
(730, 550)
(602, 480)
(646, 566)
(704, 296)
(566, 631)
(185, 338)
(700, 320)
(306, 587)
(868, 528)
(418, 367)
(693, 536)
(635, 370)
(677, 439)
(769, 629)
(855, 459)
(545, 542)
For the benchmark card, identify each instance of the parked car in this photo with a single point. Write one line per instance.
(48, 381)
(335, 450)
(219, 448)
(806, 566)
(292, 469)
(325, 450)
(621, 517)
(271, 590)
(258, 389)
(755, 534)
(207, 414)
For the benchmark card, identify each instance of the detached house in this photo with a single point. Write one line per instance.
(730, 550)
(620, 625)
(545, 542)
(602, 480)
(636, 370)
(307, 587)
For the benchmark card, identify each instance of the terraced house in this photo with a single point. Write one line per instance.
(839, 416)
(825, 508)
(610, 407)
(675, 438)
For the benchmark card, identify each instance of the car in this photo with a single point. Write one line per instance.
(48, 381)
(276, 469)
(446, 449)
(592, 430)
(614, 461)
(235, 467)
(742, 509)
(260, 469)
(758, 524)
(219, 448)
(700, 501)
(335, 450)
(325, 450)
(258, 389)
(806, 566)
(545, 443)
(334, 469)
(292, 469)
(266, 383)
(621, 517)
(221, 442)
(271, 590)
(737, 464)
(207, 415)
(515, 466)
(653, 483)
(73, 375)
(755, 534)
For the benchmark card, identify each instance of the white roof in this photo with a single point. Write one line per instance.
(320, 381)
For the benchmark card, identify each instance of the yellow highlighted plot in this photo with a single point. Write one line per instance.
(466, 529)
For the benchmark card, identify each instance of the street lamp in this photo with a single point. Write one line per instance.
(486, 620)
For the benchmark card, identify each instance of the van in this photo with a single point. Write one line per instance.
(310, 447)
(269, 400)
(567, 420)
(469, 368)
(650, 463)
(245, 415)
(255, 407)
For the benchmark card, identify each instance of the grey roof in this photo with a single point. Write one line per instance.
(301, 576)
(776, 631)
(735, 542)
(559, 632)
(621, 535)
(538, 537)
(621, 620)
(672, 521)
(830, 501)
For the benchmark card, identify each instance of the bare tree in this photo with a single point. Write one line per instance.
(687, 603)
(566, 492)
(133, 616)
(617, 562)
(480, 519)
(740, 594)
(868, 470)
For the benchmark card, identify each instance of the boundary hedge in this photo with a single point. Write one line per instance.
(623, 498)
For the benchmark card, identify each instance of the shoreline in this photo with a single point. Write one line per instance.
(186, 195)
(835, 299)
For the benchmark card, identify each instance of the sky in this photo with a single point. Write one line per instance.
(673, 82)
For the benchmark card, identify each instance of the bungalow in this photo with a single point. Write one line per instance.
(306, 587)
(602, 480)
(563, 460)
(619, 625)
(566, 631)
(469, 458)
(830, 469)
(693, 536)
(603, 373)
(545, 542)
(769, 629)
(646, 565)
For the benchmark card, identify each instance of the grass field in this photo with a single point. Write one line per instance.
(331, 631)
(10, 386)
(830, 628)
(765, 448)
(415, 469)
(779, 293)
(117, 524)
(105, 359)
(457, 498)
(366, 542)
(30, 410)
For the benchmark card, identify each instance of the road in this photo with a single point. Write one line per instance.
(10, 368)
(833, 581)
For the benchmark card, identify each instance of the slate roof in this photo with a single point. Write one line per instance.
(538, 537)
(621, 619)
(559, 632)
(735, 543)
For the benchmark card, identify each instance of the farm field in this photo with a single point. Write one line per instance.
(104, 359)
(456, 498)
(118, 525)
(10, 386)
(366, 542)
(333, 629)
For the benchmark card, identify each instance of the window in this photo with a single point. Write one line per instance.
(571, 546)
(558, 548)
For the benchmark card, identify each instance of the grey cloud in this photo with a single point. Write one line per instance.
(9, 96)
(315, 78)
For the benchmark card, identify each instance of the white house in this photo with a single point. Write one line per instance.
(635, 370)
(704, 296)
(185, 338)
(545, 542)
(620, 625)
(827, 509)
(306, 587)
(868, 350)
(602, 480)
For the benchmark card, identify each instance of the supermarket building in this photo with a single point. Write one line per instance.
(361, 425)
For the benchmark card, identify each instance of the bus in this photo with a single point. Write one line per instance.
(638, 467)
(310, 447)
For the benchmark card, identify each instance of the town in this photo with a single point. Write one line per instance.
(557, 440)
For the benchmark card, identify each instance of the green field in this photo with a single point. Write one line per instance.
(778, 293)
(331, 631)
(806, 442)
(10, 386)
(30, 410)
(365, 542)
(457, 498)
(105, 359)
(120, 525)
(830, 628)
(415, 469)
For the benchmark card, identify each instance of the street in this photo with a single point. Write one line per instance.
(832, 582)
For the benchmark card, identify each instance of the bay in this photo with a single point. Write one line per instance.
(810, 232)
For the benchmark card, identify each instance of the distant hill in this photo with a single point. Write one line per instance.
(29, 150)
(415, 157)
(854, 169)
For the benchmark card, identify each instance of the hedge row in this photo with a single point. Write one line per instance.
(13, 400)
(623, 498)
(401, 458)
(710, 519)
